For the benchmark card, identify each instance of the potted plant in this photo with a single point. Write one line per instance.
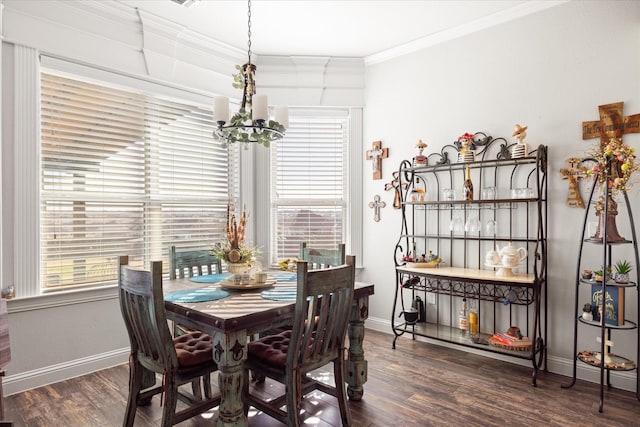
(597, 274)
(623, 267)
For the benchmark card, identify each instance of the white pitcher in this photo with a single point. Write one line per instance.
(512, 256)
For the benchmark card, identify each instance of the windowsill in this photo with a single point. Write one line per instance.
(59, 299)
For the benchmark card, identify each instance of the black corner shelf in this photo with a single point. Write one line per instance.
(592, 357)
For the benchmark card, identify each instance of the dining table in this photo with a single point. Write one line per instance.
(232, 313)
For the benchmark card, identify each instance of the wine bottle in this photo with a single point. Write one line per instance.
(463, 320)
(468, 185)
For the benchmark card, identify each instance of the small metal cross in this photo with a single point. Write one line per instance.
(376, 205)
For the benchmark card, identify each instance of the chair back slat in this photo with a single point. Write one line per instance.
(322, 257)
(142, 306)
(192, 262)
(323, 307)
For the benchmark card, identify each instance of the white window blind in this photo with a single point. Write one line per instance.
(124, 173)
(309, 184)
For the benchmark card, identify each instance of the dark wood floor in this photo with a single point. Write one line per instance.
(417, 384)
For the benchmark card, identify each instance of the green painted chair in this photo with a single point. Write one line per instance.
(192, 262)
(323, 305)
(179, 360)
(322, 258)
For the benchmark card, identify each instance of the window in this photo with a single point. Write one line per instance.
(124, 173)
(309, 183)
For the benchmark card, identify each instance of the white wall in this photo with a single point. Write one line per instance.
(549, 71)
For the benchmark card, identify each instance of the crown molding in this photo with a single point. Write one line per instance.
(524, 9)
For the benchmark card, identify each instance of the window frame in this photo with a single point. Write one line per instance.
(27, 174)
(311, 126)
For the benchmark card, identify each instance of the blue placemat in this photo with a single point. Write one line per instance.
(284, 276)
(210, 278)
(279, 294)
(196, 295)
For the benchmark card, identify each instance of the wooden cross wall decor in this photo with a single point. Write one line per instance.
(573, 173)
(376, 154)
(612, 124)
(397, 187)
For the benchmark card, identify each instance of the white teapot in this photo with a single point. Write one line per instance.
(512, 256)
(492, 258)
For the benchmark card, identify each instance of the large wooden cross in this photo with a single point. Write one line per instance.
(612, 124)
(376, 154)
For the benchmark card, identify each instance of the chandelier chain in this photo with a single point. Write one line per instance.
(249, 31)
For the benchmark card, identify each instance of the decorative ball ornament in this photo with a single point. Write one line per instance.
(234, 255)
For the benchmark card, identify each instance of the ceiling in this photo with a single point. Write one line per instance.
(336, 28)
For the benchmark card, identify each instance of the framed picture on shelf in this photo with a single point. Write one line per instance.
(613, 304)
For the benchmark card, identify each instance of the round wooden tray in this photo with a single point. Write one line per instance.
(228, 284)
(423, 264)
(618, 363)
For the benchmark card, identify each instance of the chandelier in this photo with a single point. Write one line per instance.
(251, 123)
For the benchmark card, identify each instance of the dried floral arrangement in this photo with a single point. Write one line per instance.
(623, 164)
(234, 250)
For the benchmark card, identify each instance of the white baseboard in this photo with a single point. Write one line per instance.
(625, 380)
(50, 374)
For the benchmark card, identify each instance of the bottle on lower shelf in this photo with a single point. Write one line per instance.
(463, 323)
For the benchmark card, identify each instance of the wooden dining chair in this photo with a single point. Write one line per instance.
(323, 305)
(193, 263)
(179, 360)
(322, 258)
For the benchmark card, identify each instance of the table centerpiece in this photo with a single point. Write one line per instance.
(238, 255)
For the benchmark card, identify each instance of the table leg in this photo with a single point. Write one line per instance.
(356, 363)
(230, 352)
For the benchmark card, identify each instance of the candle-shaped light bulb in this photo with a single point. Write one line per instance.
(221, 109)
(282, 116)
(259, 107)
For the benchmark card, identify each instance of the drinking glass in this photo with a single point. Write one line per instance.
(457, 224)
(528, 193)
(489, 193)
(473, 224)
(491, 227)
(449, 194)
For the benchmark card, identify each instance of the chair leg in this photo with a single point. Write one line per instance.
(294, 391)
(135, 385)
(170, 400)
(196, 388)
(207, 386)
(341, 392)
